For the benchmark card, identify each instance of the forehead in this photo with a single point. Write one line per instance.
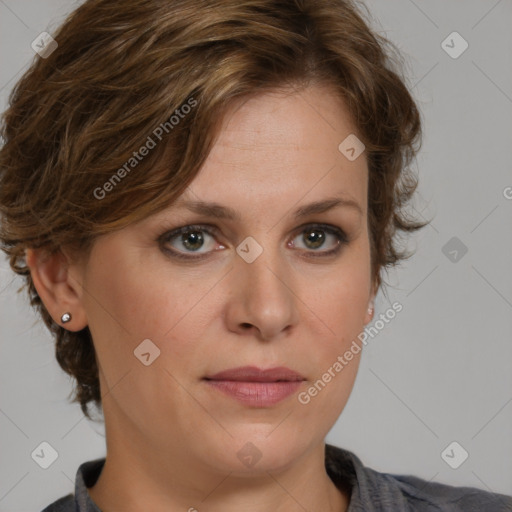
(295, 117)
(279, 147)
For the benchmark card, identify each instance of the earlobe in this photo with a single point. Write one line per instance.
(59, 291)
(370, 311)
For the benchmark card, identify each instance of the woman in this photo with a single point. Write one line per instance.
(202, 198)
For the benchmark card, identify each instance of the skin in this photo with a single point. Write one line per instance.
(172, 441)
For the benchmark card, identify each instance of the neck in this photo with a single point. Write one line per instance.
(136, 478)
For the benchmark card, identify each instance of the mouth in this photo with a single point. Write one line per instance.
(254, 374)
(254, 387)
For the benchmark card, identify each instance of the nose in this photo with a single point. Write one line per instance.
(263, 303)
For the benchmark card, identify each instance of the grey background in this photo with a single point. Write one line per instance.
(440, 371)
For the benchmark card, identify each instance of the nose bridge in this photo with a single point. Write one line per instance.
(264, 289)
(262, 276)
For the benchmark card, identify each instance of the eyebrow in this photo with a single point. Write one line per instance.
(219, 211)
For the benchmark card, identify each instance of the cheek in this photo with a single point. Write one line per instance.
(335, 354)
(337, 308)
(173, 310)
(143, 300)
(124, 307)
(340, 298)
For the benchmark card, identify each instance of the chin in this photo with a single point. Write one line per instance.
(256, 451)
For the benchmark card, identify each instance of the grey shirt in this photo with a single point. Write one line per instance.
(370, 491)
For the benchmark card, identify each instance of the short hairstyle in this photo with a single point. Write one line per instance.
(160, 75)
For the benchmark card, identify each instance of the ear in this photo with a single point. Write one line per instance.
(371, 308)
(58, 289)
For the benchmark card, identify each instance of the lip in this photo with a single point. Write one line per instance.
(255, 374)
(255, 387)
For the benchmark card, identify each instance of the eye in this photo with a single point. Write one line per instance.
(190, 239)
(198, 241)
(315, 236)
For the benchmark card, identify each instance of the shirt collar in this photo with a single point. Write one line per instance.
(86, 476)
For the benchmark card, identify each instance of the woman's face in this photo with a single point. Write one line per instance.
(211, 301)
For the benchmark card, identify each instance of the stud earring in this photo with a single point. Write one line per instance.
(65, 318)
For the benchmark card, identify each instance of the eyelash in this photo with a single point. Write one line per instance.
(212, 231)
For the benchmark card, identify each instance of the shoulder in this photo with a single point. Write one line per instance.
(64, 504)
(80, 501)
(448, 497)
(376, 491)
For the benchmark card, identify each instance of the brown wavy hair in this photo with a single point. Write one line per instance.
(121, 70)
